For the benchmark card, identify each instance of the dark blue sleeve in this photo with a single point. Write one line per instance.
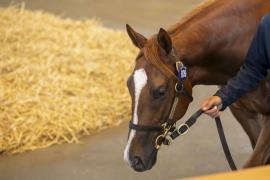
(254, 69)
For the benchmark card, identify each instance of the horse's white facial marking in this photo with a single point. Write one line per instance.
(140, 80)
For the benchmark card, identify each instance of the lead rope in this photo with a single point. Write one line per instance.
(184, 128)
(225, 144)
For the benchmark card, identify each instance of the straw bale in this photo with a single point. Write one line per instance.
(60, 79)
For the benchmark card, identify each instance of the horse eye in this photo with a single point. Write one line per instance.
(160, 92)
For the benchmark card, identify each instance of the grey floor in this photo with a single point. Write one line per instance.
(100, 156)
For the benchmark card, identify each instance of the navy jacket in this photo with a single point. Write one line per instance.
(254, 69)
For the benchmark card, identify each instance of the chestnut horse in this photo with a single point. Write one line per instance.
(212, 42)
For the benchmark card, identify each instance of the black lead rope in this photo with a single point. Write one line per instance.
(225, 144)
(183, 129)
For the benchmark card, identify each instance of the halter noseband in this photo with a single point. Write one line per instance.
(169, 127)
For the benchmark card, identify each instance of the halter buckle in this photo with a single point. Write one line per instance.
(164, 136)
(159, 139)
(164, 126)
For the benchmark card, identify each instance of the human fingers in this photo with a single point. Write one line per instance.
(215, 115)
(213, 110)
(210, 102)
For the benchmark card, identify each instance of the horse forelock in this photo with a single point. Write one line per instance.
(152, 55)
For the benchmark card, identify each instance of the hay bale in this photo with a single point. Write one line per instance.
(59, 79)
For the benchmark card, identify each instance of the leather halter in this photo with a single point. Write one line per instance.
(168, 129)
(169, 125)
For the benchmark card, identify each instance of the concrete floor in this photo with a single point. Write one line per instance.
(100, 156)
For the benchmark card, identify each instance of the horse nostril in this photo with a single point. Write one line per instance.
(136, 160)
(137, 164)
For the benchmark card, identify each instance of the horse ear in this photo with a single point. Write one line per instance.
(164, 40)
(137, 39)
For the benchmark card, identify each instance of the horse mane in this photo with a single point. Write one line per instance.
(198, 9)
(201, 9)
(152, 49)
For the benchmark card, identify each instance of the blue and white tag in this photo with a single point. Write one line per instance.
(182, 73)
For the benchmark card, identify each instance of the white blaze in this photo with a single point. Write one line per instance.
(140, 80)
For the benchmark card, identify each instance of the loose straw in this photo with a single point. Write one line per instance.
(60, 79)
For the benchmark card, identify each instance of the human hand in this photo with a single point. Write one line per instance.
(212, 105)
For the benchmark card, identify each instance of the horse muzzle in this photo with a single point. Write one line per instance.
(140, 165)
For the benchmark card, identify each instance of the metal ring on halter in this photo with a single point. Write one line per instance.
(177, 90)
(183, 125)
(169, 140)
(157, 139)
(177, 65)
(164, 125)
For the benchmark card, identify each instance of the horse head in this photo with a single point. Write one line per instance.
(153, 87)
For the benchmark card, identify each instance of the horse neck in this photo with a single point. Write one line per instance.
(213, 45)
